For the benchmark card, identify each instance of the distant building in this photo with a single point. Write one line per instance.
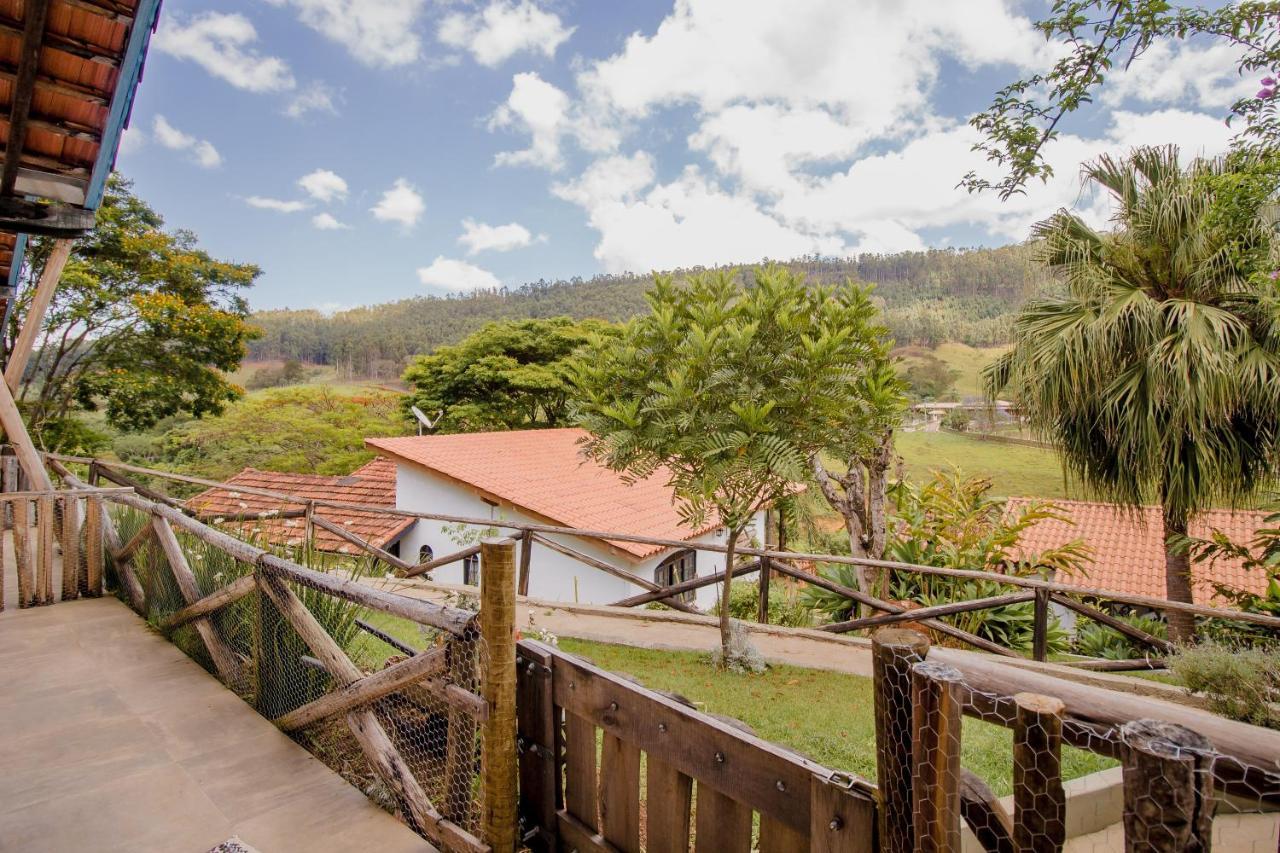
(1128, 547)
(541, 476)
(373, 484)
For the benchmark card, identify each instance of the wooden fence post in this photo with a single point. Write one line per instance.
(1168, 788)
(935, 750)
(71, 581)
(894, 651)
(22, 552)
(44, 550)
(498, 628)
(762, 609)
(1040, 625)
(526, 558)
(93, 548)
(1039, 801)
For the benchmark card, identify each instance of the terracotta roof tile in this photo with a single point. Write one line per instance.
(1128, 547)
(373, 484)
(543, 472)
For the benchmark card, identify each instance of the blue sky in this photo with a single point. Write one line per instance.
(368, 150)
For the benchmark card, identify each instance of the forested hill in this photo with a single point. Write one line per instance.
(961, 295)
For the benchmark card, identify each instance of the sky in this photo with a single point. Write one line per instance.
(362, 151)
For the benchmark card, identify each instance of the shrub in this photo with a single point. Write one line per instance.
(784, 609)
(1096, 640)
(957, 420)
(1243, 684)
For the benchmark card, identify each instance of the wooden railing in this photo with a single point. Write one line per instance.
(570, 801)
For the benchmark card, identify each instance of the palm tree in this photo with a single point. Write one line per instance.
(1156, 371)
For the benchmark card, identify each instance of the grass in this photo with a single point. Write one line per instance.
(966, 360)
(1013, 469)
(826, 716)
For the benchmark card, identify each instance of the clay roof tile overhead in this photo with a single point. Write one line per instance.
(1128, 547)
(542, 471)
(373, 484)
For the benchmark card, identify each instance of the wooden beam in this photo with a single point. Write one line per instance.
(1130, 631)
(33, 322)
(214, 601)
(34, 15)
(684, 586)
(936, 707)
(365, 690)
(413, 571)
(925, 613)
(23, 447)
(893, 652)
(224, 658)
(608, 569)
(348, 536)
(135, 542)
(68, 44)
(111, 11)
(498, 758)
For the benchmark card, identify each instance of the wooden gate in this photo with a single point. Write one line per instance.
(608, 765)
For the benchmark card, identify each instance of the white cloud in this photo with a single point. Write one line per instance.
(201, 151)
(1182, 74)
(327, 222)
(543, 111)
(479, 237)
(223, 45)
(503, 29)
(277, 204)
(453, 275)
(317, 97)
(376, 32)
(402, 203)
(323, 185)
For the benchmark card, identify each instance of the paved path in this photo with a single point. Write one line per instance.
(111, 739)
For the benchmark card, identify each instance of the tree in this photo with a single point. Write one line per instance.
(729, 390)
(507, 375)
(1156, 373)
(930, 378)
(1099, 34)
(144, 325)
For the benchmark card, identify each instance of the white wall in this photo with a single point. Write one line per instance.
(552, 576)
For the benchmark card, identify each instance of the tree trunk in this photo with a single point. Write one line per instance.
(730, 546)
(1177, 582)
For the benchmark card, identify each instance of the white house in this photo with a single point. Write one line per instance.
(540, 476)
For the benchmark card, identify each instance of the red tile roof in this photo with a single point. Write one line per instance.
(1128, 547)
(542, 471)
(373, 484)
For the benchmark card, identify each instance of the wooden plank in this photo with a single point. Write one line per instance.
(22, 553)
(348, 536)
(723, 825)
(498, 763)
(778, 837)
(224, 658)
(1168, 789)
(668, 804)
(94, 547)
(128, 578)
(45, 525)
(539, 723)
(365, 690)
(576, 835)
(34, 15)
(843, 820)
(580, 768)
(894, 651)
(72, 582)
(211, 603)
(373, 739)
(925, 613)
(935, 749)
(1039, 800)
(620, 793)
(765, 777)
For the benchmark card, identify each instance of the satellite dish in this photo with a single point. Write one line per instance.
(423, 420)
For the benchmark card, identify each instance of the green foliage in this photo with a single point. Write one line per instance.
(1240, 683)
(1028, 114)
(930, 378)
(957, 420)
(508, 375)
(1157, 372)
(144, 324)
(312, 430)
(1095, 640)
(292, 372)
(784, 609)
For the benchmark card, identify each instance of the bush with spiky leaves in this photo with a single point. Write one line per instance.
(730, 389)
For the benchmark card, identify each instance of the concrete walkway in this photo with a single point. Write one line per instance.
(111, 739)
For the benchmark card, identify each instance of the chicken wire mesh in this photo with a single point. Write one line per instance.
(1168, 788)
(427, 726)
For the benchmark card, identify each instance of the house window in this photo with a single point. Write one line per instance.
(471, 571)
(679, 567)
(425, 554)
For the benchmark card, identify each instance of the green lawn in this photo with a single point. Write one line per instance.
(1014, 469)
(826, 716)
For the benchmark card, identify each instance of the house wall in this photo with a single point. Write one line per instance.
(552, 576)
